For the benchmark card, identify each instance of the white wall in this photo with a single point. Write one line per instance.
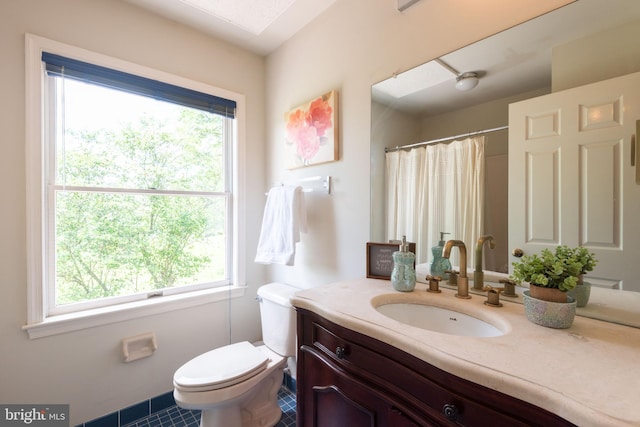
(389, 128)
(487, 115)
(84, 368)
(353, 45)
(602, 56)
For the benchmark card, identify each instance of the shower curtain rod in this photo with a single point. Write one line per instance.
(448, 138)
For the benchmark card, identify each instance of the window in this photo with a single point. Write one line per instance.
(135, 189)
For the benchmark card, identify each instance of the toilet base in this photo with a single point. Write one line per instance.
(221, 416)
(241, 417)
(260, 409)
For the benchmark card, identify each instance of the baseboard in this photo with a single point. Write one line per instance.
(289, 382)
(150, 406)
(134, 412)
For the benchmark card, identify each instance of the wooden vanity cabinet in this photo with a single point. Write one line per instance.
(348, 379)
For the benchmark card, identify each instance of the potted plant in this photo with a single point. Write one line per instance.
(556, 270)
(550, 275)
(588, 261)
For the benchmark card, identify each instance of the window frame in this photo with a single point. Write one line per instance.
(39, 323)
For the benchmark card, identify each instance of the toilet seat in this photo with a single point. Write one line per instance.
(220, 368)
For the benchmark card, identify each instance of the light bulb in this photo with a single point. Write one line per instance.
(466, 81)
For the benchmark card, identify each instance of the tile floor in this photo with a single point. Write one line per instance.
(176, 417)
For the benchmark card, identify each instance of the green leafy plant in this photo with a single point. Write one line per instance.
(558, 269)
(584, 257)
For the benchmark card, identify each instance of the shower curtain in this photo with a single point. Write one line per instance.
(436, 188)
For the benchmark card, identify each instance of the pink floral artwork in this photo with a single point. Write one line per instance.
(312, 131)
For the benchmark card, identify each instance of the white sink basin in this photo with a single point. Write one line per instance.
(438, 319)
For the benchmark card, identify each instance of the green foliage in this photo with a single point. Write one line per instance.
(559, 269)
(113, 243)
(582, 255)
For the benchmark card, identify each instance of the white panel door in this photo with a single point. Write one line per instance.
(571, 180)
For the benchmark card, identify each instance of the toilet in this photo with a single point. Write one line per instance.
(237, 385)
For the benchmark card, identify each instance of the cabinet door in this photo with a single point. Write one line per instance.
(571, 179)
(329, 397)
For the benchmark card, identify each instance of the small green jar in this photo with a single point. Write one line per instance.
(403, 276)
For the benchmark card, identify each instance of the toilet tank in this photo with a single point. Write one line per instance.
(278, 318)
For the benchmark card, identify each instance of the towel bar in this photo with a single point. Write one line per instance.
(319, 184)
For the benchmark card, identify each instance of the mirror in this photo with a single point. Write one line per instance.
(513, 65)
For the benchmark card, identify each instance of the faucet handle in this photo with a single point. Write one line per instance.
(493, 296)
(434, 284)
(453, 276)
(509, 287)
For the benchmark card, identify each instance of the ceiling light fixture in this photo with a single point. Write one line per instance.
(466, 81)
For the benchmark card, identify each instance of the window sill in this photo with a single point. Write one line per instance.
(118, 313)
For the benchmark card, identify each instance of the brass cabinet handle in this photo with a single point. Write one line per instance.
(450, 412)
(517, 252)
(633, 147)
(635, 152)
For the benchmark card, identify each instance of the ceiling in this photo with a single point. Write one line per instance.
(514, 61)
(260, 26)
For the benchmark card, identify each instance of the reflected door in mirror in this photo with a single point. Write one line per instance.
(570, 176)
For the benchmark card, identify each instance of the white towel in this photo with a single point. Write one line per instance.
(285, 216)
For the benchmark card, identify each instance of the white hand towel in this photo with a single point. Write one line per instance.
(285, 216)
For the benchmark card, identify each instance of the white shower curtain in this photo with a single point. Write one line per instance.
(436, 188)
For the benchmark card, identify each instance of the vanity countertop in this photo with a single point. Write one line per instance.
(587, 374)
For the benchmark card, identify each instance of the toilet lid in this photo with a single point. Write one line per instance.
(221, 367)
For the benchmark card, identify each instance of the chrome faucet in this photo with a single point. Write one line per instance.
(478, 274)
(463, 280)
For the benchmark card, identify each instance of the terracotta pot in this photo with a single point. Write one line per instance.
(547, 294)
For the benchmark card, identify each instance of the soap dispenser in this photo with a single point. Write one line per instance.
(440, 264)
(403, 276)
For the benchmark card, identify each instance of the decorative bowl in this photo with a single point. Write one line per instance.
(558, 315)
(581, 293)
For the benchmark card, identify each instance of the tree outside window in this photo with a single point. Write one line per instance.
(138, 195)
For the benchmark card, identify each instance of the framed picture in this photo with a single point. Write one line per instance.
(380, 259)
(312, 132)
